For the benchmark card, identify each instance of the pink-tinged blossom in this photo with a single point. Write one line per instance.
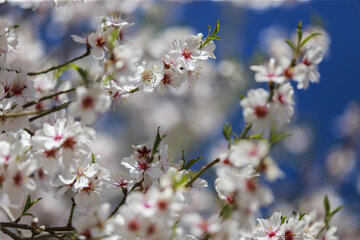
(170, 78)
(89, 101)
(201, 227)
(307, 71)
(283, 104)
(246, 153)
(272, 72)
(147, 77)
(256, 109)
(269, 229)
(187, 54)
(98, 42)
(65, 139)
(94, 223)
(18, 181)
(293, 229)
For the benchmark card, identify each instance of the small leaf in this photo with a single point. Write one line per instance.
(158, 139)
(93, 158)
(301, 215)
(192, 162)
(309, 37)
(27, 204)
(59, 72)
(335, 211)
(212, 36)
(326, 205)
(283, 219)
(241, 96)
(28, 214)
(299, 32)
(183, 159)
(226, 131)
(291, 44)
(82, 72)
(278, 137)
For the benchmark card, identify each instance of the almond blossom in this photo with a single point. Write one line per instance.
(89, 102)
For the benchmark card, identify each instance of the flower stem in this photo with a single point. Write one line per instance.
(206, 167)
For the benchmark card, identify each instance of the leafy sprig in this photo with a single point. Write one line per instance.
(211, 35)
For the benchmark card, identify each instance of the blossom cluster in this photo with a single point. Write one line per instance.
(46, 144)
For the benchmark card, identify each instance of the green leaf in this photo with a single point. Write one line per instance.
(158, 139)
(107, 79)
(299, 32)
(59, 72)
(301, 215)
(283, 219)
(276, 137)
(241, 96)
(28, 214)
(326, 205)
(291, 44)
(309, 37)
(227, 131)
(328, 213)
(28, 205)
(257, 136)
(192, 162)
(93, 158)
(335, 211)
(82, 72)
(211, 36)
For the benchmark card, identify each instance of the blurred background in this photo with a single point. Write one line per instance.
(321, 157)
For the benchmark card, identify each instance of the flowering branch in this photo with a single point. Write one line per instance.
(40, 112)
(87, 53)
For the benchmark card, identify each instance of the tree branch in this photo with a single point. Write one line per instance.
(87, 53)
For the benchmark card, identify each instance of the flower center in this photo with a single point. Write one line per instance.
(100, 42)
(162, 205)
(147, 76)
(17, 89)
(289, 235)
(261, 111)
(271, 234)
(186, 54)
(50, 153)
(69, 143)
(166, 79)
(251, 185)
(18, 178)
(133, 225)
(87, 102)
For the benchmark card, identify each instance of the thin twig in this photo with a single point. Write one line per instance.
(69, 223)
(40, 112)
(123, 200)
(47, 97)
(206, 167)
(87, 53)
(9, 233)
